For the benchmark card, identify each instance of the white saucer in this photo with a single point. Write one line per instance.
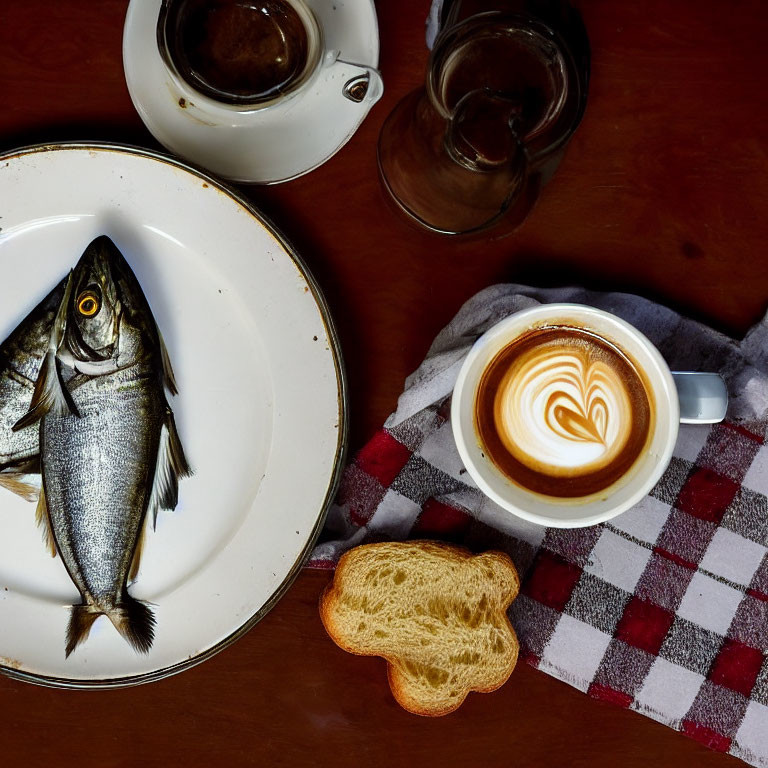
(263, 146)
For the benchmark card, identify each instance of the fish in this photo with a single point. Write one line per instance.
(21, 356)
(109, 451)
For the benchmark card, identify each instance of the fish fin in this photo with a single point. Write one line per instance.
(10, 481)
(50, 395)
(135, 622)
(80, 622)
(171, 466)
(178, 458)
(43, 519)
(168, 375)
(137, 553)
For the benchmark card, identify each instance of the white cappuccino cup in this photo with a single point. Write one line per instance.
(562, 414)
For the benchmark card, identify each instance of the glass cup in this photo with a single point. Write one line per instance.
(503, 96)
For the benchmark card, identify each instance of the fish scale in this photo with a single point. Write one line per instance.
(97, 490)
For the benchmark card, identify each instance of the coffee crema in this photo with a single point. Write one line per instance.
(563, 412)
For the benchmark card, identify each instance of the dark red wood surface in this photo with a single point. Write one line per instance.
(664, 192)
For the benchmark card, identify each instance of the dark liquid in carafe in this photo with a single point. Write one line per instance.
(237, 50)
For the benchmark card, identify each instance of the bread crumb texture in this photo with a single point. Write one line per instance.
(436, 613)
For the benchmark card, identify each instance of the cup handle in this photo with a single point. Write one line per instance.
(703, 397)
(361, 84)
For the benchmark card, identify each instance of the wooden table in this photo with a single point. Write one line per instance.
(664, 192)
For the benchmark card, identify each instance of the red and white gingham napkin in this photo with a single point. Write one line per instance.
(663, 610)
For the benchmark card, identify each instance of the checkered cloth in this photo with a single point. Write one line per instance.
(663, 610)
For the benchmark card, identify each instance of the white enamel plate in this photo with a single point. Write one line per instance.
(261, 406)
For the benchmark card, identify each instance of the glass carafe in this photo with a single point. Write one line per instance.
(502, 97)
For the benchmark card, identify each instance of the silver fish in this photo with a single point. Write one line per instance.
(109, 450)
(21, 355)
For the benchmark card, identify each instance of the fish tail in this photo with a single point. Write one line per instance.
(135, 622)
(80, 622)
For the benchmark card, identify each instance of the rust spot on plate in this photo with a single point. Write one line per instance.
(205, 186)
(10, 663)
(183, 103)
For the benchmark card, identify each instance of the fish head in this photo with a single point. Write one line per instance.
(107, 303)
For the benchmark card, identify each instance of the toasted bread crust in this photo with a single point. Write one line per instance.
(425, 682)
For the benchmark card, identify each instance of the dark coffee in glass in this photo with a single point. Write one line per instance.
(237, 51)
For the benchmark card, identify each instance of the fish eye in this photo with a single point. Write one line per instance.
(88, 303)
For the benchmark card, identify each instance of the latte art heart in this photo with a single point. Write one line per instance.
(573, 424)
(559, 410)
(585, 416)
(563, 412)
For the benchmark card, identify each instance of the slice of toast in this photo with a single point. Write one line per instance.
(435, 612)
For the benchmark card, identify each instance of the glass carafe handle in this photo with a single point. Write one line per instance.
(483, 133)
